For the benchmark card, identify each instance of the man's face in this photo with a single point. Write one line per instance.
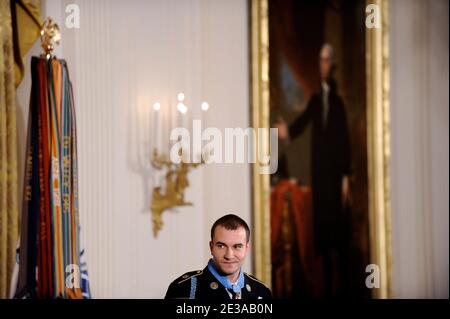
(229, 248)
(325, 64)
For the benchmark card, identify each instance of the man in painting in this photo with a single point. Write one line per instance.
(329, 172)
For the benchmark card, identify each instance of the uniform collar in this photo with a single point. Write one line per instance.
(224, 279)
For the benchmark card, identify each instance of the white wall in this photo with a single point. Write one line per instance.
(125, 56)
(420, 157)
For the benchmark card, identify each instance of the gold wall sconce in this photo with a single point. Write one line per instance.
(171, 193)
(176, 181)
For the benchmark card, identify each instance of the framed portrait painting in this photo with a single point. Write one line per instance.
(320, 75)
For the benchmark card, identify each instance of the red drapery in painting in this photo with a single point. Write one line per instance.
(299, 204)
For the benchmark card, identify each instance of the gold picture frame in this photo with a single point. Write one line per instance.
(378, 143)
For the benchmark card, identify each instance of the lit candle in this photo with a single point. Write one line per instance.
(181, 109)
(205, 108)
(180, 97)
(185, 117)
(157, 126)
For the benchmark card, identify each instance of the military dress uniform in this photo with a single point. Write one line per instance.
(202, 284)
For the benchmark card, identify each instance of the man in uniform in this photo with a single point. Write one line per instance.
(223, 277)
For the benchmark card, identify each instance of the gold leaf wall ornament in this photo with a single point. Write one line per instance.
(172, 195)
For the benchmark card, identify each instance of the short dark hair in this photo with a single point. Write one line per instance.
(231, 222)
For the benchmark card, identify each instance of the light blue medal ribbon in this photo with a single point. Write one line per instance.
(225, 281)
